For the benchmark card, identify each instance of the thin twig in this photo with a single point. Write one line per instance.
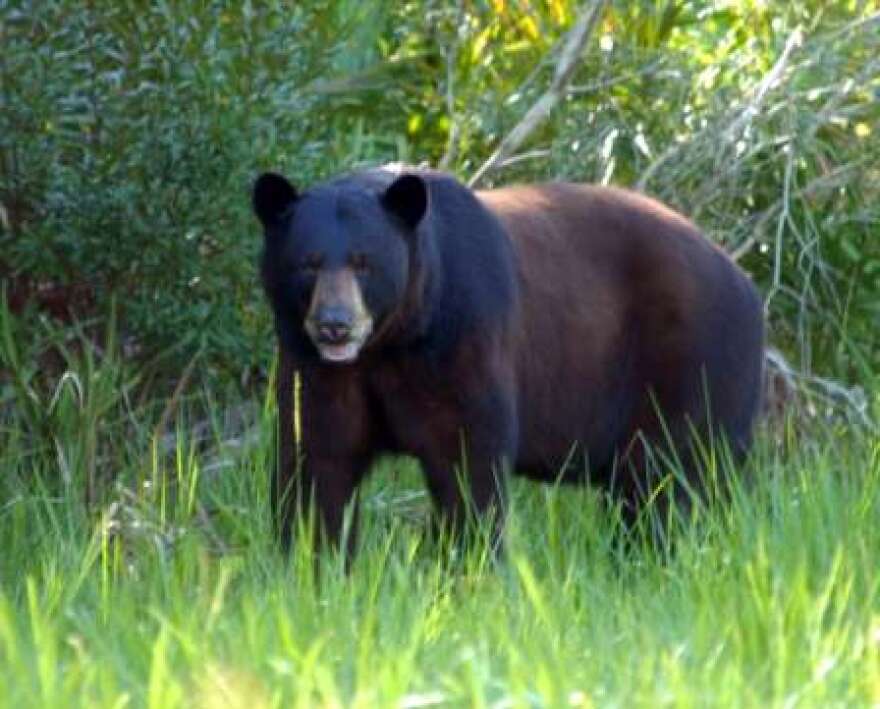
(531, 155)
(454, 127)
(569, 56)
(759, 93)
(172, 403)
(834, 179)
(597, 86)
(858, 24)
(770, 81)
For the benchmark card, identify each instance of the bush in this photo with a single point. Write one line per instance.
(130, 134)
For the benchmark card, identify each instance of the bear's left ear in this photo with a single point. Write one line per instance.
(272, 195)
(407, 198)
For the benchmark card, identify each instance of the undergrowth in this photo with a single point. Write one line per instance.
(165, 587)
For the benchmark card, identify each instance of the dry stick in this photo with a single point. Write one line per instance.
(865, 77)
(606, 84)
(859, 24)
(454, 128)
(832, 180)
(760, 93)
(572, 49)
(769, 82)
(452, 140)
(531, 155)
(793, 382)
(172, 403)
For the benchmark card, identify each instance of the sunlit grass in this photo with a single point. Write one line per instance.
(174, 595)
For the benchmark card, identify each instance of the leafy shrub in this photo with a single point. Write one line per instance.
(129, 136)
(130, 133)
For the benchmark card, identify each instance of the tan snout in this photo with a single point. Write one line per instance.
(338, 321)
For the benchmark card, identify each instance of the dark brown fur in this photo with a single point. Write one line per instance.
(626, 310)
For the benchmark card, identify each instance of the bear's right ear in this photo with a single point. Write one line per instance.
(407, 197)
(272, 195)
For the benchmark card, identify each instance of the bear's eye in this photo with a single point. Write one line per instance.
(359, 263)
(311, 264)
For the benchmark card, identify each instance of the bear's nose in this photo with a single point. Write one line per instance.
(333, 332)
(334, 325)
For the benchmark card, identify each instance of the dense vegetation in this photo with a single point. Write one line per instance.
(174, 596)
(130, 134)
(137, 564)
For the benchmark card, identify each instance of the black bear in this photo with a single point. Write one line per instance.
(557, 331)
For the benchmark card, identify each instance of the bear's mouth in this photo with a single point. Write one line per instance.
(345, 350)
(339, 352)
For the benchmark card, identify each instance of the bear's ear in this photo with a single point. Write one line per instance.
(407, 198)
(272, 195)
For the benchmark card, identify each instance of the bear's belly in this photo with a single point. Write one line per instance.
(572, 447)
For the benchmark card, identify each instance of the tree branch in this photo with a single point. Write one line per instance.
(569, 56)
(759, 93)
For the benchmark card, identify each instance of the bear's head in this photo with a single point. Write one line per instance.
(337, 258)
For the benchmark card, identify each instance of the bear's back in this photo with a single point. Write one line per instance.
(621, 295)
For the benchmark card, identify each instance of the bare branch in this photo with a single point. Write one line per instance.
(601, 86)
(770, 81)
(531, 155)
(569, 56)
(452, 140)
(788, 388)
(759, 93)
(830, 181)
(451, 54)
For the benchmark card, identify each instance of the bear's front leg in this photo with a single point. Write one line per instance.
(317, 481)
(466, 464)
(282, 497)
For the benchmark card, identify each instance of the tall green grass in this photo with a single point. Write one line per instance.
(172, 593)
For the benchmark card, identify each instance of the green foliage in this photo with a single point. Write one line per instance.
(79, 415)
(130, 133)
(129, 137)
